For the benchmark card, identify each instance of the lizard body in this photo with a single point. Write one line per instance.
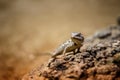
(70, 45)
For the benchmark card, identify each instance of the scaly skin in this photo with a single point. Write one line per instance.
(72, 44)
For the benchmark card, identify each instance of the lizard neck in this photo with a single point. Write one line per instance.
(76, 41)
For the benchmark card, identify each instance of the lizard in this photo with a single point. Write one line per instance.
(75, 42)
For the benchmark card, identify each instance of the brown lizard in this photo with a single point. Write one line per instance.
(75, 42)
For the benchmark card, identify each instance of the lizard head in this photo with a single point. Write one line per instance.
(77, 37)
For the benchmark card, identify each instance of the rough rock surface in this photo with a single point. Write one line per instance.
(99, 59)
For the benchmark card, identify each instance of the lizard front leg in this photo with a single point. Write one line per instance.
(64, 51)
(78, 50)
(74, 51)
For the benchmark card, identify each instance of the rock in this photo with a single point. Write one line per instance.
(118, 21)
(103, 34)
(99, 60)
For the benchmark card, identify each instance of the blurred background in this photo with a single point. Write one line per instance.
(31, 29)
